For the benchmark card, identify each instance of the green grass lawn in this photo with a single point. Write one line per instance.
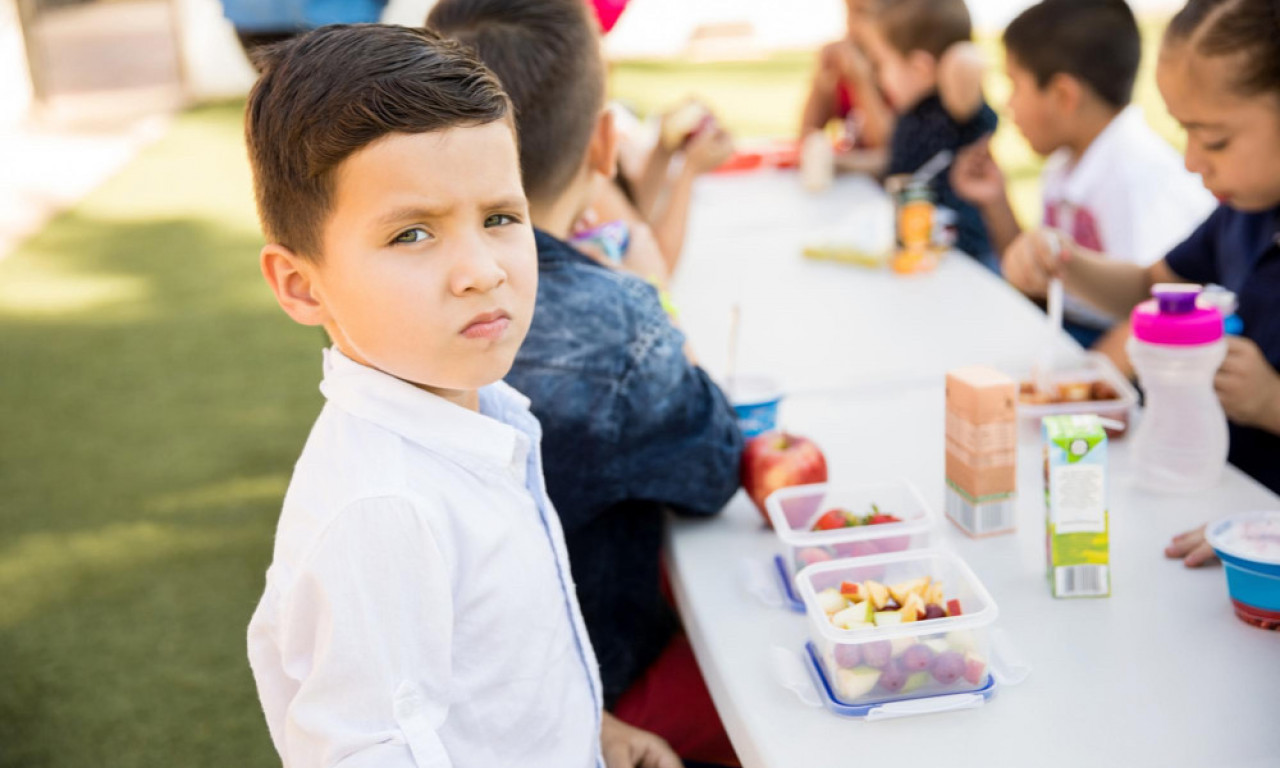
(153, 400)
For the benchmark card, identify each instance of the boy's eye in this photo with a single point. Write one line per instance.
(414, 235)
(1216, 146)
(500, 219)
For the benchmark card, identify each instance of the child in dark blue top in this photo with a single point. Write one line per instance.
(932, 74)
(1219, 73)
(632, 427)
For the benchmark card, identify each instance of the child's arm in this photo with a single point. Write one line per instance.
(1248, 387)
(674, 417)
(820, 104)
(875, 124)
(706, 151)
(1112, 286)
(977, 179)
(1191, 548)
(369, 625)
(624, 746)
(648, 188)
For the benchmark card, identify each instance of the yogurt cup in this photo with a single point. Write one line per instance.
(755, 399)
(1249, 546)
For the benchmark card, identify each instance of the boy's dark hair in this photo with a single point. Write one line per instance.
(931, 26)
(547, 55)
(1250, 28)
(330, 93)
(1095, 41)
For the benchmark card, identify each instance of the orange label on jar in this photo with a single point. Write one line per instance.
(915, 224)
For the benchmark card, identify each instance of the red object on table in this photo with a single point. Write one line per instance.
(783, 153)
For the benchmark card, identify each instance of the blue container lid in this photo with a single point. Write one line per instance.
(833, 704)
(784, 583)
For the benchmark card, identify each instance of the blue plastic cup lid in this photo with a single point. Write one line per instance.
(753, 390)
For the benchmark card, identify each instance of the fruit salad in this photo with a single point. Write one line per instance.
(862, 605)
(905, 667)
(834, 519)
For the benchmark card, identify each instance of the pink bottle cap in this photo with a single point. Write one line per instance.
(1174, 318)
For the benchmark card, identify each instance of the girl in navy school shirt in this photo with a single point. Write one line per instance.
(1219, 74)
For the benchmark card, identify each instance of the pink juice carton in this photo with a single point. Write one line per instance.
(982, 450)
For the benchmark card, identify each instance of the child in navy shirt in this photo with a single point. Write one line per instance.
(932, 74)
(1219, 73)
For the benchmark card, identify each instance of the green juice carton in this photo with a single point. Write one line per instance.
(1075, 495)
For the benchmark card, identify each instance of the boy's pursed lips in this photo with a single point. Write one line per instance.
(489, 325)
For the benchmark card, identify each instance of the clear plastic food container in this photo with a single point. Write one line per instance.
(1096, 371)
(795, 510)
(907, 660)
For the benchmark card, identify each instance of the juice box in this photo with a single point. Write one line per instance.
(1075, 494)
(981, 450)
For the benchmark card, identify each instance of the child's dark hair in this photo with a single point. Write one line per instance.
(1095, 41)
(547, 55)
(1250, 28)
(931, 26)
(331, 92)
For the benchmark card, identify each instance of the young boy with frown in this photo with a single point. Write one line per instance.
(419, 608)
(634, 427)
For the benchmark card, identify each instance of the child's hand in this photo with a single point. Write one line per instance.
(960, 72)
(1035, 257)
(975, 177)
(708, 149)
(1248, 386)
(626, 747)
(1192, 548)
(846, 61)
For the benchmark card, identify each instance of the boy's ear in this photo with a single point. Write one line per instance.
(292, 281)
(922, 63)
(1066, 93)
(602, 152)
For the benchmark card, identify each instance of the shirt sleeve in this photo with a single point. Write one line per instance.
(1155, 209)
(1196, 258)
(368, 628)
(680, 443)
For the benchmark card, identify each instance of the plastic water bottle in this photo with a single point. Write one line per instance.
(1177, 346)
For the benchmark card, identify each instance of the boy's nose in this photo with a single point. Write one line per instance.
(1194, 159)
(478, 269)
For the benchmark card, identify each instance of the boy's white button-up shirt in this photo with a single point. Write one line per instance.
(1128, 195)
(419, 608)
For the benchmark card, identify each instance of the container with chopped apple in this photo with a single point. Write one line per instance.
(897, 626)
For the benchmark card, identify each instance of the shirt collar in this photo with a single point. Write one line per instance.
(497, 437)
(1096, 160)
(552, 249)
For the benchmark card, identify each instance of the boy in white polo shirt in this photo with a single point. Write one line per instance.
(1110, 183)
(419, 609)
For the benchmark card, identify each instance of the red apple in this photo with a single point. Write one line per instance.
(777, 460)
